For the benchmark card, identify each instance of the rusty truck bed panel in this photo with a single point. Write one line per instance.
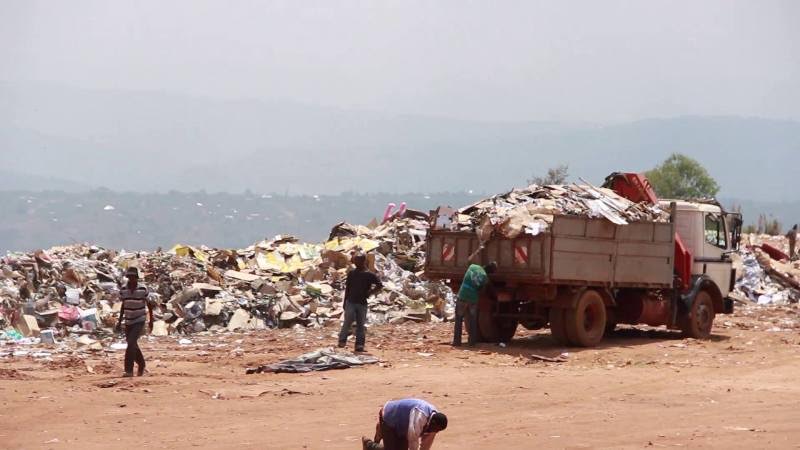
(576, 250)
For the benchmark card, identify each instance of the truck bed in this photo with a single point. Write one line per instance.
(575, 250)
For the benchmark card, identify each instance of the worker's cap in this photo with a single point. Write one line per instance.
(132, 272)
(491, 267)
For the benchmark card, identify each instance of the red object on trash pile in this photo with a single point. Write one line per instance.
(773, 252)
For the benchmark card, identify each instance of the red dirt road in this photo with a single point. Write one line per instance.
(640, 389)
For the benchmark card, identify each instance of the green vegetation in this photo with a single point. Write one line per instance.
(555, 175)
(682, 177)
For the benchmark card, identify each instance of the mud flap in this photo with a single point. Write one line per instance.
(727, 306)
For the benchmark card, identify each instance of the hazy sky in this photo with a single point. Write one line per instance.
(597, 61)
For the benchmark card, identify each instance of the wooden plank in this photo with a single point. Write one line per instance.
(581, 267)
(662, 250)
(583, 245)
(601, 229)
(569, 226)
(643, 269)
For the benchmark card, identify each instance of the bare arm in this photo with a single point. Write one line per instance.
(150, 314)
(376, 285)
(121, 315)
(427, 441)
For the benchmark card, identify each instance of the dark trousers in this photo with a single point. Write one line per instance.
(391, 440)
(133, 353)
(468, 311)
(354, 312)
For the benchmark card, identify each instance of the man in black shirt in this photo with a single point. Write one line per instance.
(361, 284)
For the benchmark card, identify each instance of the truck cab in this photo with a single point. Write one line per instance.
(711, 234)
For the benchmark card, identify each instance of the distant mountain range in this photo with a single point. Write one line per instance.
(11, 180)
(156, 142)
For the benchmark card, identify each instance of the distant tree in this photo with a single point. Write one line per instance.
(774, 228)
(682, 177)
(555, 175)
(762, 224)
(749, 229)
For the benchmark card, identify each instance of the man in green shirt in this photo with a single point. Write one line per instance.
(475, 279)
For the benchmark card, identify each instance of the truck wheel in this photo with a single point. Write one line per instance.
(505, 329)
(697, 322)
(557, 326)
(495, 329)
(586, 323)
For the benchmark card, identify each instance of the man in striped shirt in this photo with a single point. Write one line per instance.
(135, 310)
(407, 424)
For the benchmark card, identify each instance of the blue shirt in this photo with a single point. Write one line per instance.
(396, 413)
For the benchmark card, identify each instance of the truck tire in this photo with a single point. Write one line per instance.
(494, 329)
(698, 321)
(557, 326)
(503, 330)
(586, 322)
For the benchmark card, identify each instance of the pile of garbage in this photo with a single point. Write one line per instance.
(280, 282)
(531, 210)
(766, 275)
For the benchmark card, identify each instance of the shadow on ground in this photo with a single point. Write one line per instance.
(541, 342)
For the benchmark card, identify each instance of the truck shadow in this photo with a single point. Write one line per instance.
(542, 343)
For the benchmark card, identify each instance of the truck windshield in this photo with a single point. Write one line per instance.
(715, 231)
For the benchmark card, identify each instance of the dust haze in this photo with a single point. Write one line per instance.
(329, 97)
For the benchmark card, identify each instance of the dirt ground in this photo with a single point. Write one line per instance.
(642, 388)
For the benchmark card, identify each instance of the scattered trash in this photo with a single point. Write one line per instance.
(558, 359)
(280, 282)
(107, 384)
(762, 279)
(530, 210)
(324, 359)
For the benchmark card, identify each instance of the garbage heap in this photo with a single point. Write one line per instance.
(280, 282)
(766, 275)
(531, 210)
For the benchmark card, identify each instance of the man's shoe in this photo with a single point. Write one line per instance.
(360, 350)
(127, 375)
(342, 344)
(456, 344)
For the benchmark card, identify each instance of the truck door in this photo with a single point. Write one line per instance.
(715, 261)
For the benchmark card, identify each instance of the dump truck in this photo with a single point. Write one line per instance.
(583, 276)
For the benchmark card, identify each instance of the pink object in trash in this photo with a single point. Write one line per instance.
(69, 314)
(388, 212)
